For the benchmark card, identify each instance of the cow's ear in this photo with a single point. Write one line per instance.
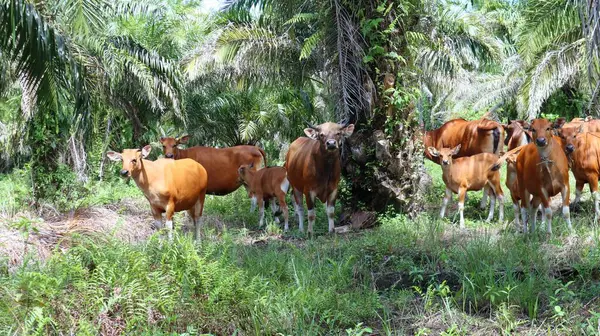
(528, 137)
(434, 152)
(162, 139)
(183, 139)
(456, 150)
(348, 130)
(311, 133)
(580, 130)
(146, 151)
(114, 156)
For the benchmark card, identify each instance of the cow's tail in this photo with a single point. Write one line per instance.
(489, 125)
(498, 164)
(264, 156)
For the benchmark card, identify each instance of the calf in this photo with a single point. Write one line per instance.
(313, 167)
(516, 134)
(583, 151)
(542, 172)
(170, 186)
(469, 173)
(266, 184)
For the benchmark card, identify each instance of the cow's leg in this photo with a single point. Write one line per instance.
(310, 206)
(565, 209)
(525, 206)
(261, 210)
(299, 208)
(198, 210)
(462, 191)
(252, 198)
(284, 208)
(274, 209)
(157, 215)
(483, 202)
(170, 210)
(578, 190)
(330, 206)
(593, 182)
(445, 201)
(533, 209)
(492, 202)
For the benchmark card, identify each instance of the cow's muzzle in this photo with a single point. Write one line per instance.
(169, 155)
(331, 144)
(541, 142)
(124, 173)
(570, 148)
(445, 162)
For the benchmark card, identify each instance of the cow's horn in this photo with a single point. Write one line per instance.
(311, 125)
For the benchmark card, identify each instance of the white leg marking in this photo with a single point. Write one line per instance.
(300, 211)
(532, 218)
(596, 205)
(483, 199)
(253, 205)
(261, 211)
(285, 185)
(158, 224)
(492, 205)
(445, 201)
(461, 210)
(524, 219)
(567, 217)
(517, 216)
(170, 229)
(198, 228)
(311, 220)
(500, 208)
(548, 214)
(330, 217)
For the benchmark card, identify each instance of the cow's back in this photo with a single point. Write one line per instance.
(476, 169)
(268, 180)
(222, 165)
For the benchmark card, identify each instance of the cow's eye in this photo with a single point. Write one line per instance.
(533, 131)
(134, 161)
(322, 135)
(338, 133)
(548, 129)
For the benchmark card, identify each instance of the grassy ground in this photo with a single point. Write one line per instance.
(105, 272)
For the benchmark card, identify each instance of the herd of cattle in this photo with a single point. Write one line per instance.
(181, 180)
(538, 158)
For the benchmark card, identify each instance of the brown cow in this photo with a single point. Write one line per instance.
(477, 136)
(583, 150)
(466, 174)
(221, 164)
(589, 124)
(266, 184)
(517, 134)
(170, 186)
(313, 167)
(542, 172)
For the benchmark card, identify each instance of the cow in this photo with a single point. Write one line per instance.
(516, 134)
(583, 151)
(477, 136)
(267, 184)
(221, 164)
(542, 172)
(170, 186)
(313, 167)
(469, 174)
(589, 124)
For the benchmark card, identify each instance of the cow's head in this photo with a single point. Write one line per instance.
(445, 154)
(568, 136)
(542, 131)
(170, 145)
(329, 134)
(513, 126)
(132, 159)
(243, 172)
